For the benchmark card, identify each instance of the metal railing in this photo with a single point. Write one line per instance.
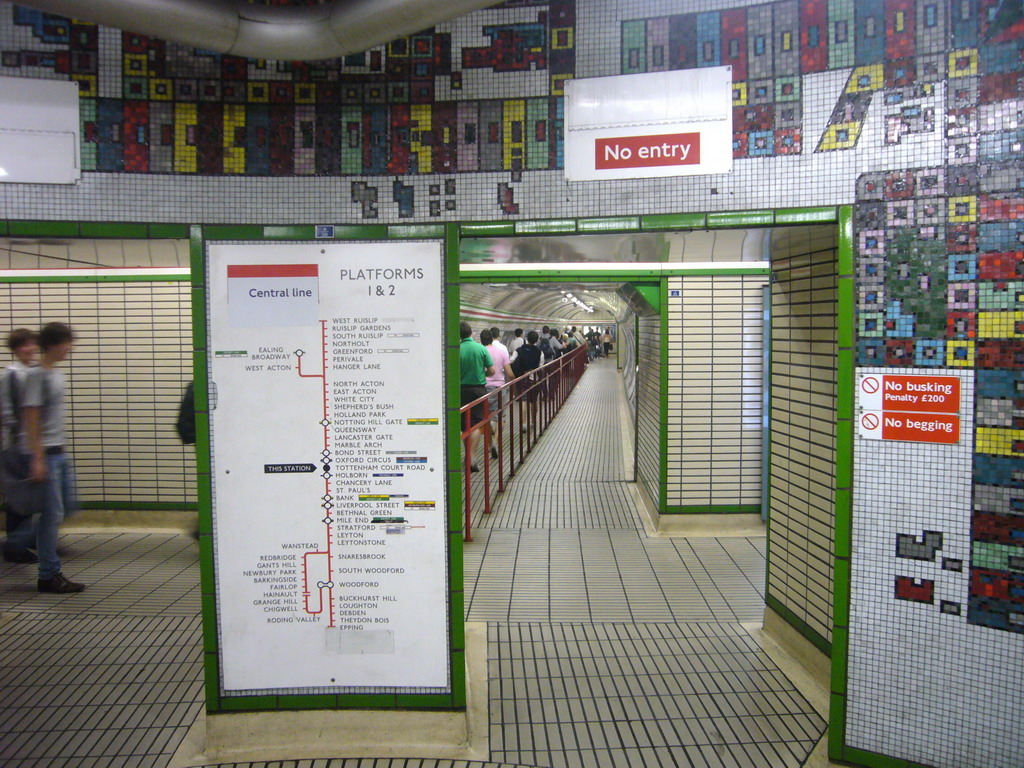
(514, 417)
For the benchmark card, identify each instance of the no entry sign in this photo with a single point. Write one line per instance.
(920, 409)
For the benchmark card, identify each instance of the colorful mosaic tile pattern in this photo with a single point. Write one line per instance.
(940, 270)
(395, 109)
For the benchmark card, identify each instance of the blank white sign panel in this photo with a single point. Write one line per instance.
(39, 131)
(328, 464)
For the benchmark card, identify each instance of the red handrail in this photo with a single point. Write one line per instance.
(531, 401)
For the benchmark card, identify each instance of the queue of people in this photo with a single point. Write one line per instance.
(489, 364)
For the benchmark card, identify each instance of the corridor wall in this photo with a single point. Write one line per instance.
(131, 361)
(715, 384)
(802, 482)
(650, 367)
(906, 110)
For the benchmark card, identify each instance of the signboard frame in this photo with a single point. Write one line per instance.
(453, 696)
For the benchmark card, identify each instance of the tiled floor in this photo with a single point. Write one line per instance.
(605, 647)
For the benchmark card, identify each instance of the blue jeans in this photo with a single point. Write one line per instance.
(61, 499)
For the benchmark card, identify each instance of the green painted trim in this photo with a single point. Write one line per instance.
(406, 231)
(459, 693)
(545, 226)
(142, 506)
(836, 733)
(822, 215)
(247, 703)
(674, 221)
(289, 233)
(96, 279)
(211, 678)
(207, 602)
(95, 229)
(843, 530)
(840, 647)
(118, 230)
(713, 509)
(766, 378)
(453, 475)
(845, 252)
(307, 701)
(872, 759)
(43, 228)
(663, 397)
(846, 301)
(168, 231)
(441, 701)
(610, 224)
(360, 232)
(741, 219)
(486, 229)
(204, 491)
(841, 535)
(233, 232)
(366, 700)
(799, 625)
(651, 294)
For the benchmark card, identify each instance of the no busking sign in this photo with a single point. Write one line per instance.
(920, 409)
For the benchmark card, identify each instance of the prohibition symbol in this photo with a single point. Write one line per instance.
(870, 421)
(870, 385)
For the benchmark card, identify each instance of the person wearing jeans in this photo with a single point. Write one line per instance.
(44, 441)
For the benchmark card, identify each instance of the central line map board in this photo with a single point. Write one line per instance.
(326, 390)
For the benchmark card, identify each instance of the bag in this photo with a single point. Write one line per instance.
(545, 348)
(186, 424)
(24, 496)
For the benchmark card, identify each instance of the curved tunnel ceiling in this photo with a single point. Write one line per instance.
(546, 302)
(292, 33)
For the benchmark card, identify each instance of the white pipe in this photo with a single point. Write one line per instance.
(291, 33)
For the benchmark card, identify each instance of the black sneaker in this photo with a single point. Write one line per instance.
(494, 452)
(59, 585)
(13, 555)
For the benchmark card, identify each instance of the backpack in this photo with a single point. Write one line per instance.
(545, 348)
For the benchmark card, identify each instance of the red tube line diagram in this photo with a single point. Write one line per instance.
(320, 557)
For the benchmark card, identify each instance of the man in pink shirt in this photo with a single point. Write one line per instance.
(502, 373)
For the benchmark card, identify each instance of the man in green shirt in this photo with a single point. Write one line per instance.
(475, 365)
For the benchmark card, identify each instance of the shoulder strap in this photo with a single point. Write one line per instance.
(12, 393)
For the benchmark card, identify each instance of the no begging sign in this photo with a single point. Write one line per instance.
(918, 409)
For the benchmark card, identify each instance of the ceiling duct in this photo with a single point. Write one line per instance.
(291, 33)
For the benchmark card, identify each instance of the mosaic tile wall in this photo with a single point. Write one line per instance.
(909, 109)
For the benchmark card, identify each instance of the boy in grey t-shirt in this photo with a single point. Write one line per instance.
(44, 442)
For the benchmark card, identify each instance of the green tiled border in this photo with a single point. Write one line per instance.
(663, 396)
(842, 543)
(799, 625)
(141, 506)
(712, 509)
